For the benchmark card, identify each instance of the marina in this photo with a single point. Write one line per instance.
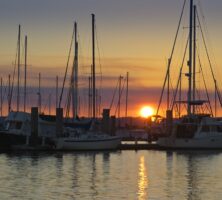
(93, 109)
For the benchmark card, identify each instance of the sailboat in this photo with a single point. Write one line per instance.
(92, 139)
(192, 131)
(17, 125)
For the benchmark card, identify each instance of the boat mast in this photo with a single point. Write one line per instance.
(75, 76)
(1, 95)
(180, 87)
(39, 93)
(215, 98)
(93, 67)
(168, 85)
(194, 58)
(25, 73)
(18, 83)
(190, 59)
(57, 85)
(9, 92)
(127, 90)
(89, 96)
(119, 100)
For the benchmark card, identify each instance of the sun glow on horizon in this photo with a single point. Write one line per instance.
(146, 111)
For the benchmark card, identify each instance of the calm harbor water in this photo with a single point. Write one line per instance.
(111, 175)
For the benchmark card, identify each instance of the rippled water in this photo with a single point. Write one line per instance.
(111, 175)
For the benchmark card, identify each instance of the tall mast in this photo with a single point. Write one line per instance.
(39, 93)
(18, 83)
(215, 98)
(1, 95)
(9, 92)
(25, 74)
(190, 59)
(93, 67)
(168, 85)
(194, 58)
(89, 96)
(127, 80)
(57, 85)
(180, 87)
(120, 88)
(75, 77)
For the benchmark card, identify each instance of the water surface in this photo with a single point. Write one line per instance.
(111, 175)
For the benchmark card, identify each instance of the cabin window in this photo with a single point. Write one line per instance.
(12, 125)
(186, 131)
(15, 125)
(205, 128)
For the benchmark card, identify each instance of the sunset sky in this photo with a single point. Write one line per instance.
(132, 36)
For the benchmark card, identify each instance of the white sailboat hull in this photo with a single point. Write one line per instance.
(88, 144)
(191, 143)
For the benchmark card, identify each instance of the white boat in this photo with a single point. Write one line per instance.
(198, 133)
(93, 139)
(90, 140)
(195, 130)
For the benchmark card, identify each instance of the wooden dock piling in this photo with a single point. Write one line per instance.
(34, 126)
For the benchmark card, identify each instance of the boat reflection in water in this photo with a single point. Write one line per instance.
(105, 175)
(142, 180)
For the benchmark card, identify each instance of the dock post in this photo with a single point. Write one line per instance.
(149, 130)
(169, 121)
(59, 122)
(106, 121)
(34, 126)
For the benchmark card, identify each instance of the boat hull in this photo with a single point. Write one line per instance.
(10, 141)
(78, 144)
(191, 143)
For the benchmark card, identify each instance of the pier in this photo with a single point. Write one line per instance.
(125, 145)
(139, 146)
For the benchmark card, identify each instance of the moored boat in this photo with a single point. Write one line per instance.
(89, 140)
(196, 130)
(17, 131)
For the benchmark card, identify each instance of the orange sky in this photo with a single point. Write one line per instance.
(132, 36)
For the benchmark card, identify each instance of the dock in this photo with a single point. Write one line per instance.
(125, 145)
(139, 146)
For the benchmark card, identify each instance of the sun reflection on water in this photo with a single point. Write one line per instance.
(142, 180)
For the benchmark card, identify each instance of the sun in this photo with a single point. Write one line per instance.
(146, 111)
